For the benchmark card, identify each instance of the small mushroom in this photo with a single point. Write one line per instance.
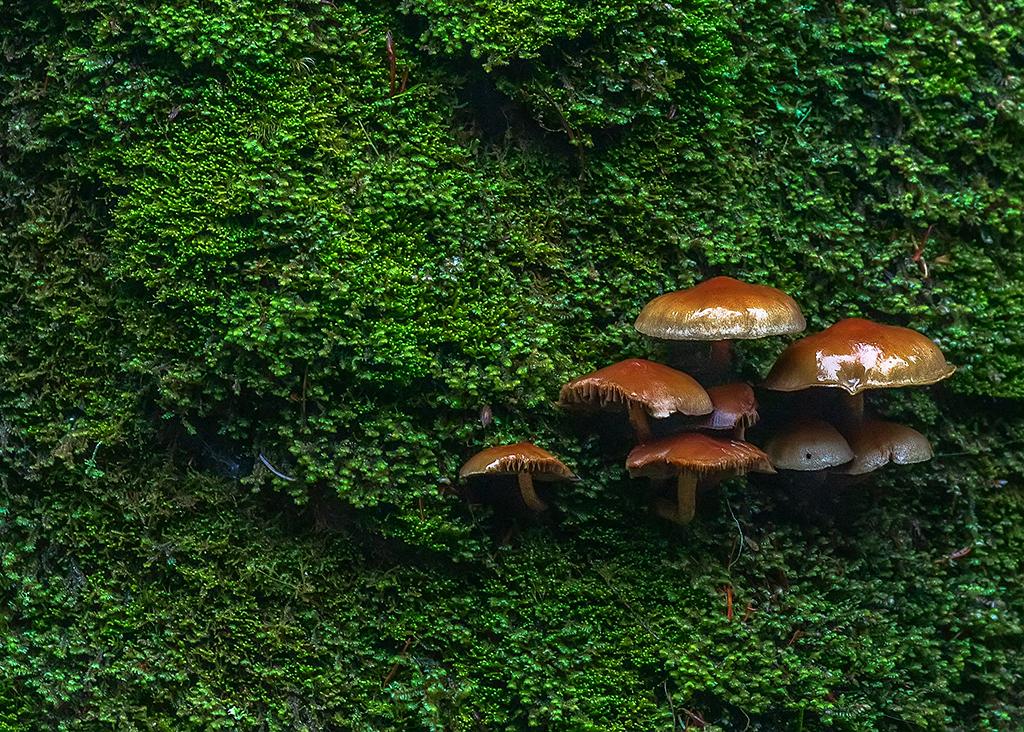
(877, 443)
(808, 445)
(735, 408)
(855, 355)
(524, 460)
(642, 388)
(688, 457)
(719, 310)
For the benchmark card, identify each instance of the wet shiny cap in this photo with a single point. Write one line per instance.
(695, 453)
(733, 405)
(808, 444)
(522, 457)
(856, 354)
(876, 443)
(718, 309)
(660, 390)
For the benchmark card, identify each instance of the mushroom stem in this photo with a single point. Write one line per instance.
(682, 511)
(721, 355)
(686, 494)
(739, 432)
(640, 422)
(853, 407)
(530, 497)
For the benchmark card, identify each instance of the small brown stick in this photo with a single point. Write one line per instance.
(958, 554)
(394, 669)
(728, 601)
(695, 717)
(918, 255)
(389, 45)
(671, 704)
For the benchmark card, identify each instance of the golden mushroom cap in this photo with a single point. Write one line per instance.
(721, 308)
(877, 443)
(521, 457)
(857, 354)
(659, 389)
(808, 445)
(696, 453)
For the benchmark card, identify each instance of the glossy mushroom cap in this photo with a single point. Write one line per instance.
(660, 390)
(721, 309)
(734, 405)
(522, 457)
(876, 443)
(856, 354)
(695, 453)
(808, 444)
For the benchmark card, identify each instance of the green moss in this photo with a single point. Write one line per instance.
(227, 231)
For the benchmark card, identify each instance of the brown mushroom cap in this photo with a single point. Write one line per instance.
(660, 390)
(695, 453)
(808, 444)
(856, 354)
(522, 457)
(721, 308)
(734, 405)
(877, 443)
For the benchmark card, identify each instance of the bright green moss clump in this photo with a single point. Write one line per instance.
(227, 232)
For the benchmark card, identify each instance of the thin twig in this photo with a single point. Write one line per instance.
(368, 138)
(671, 704)
(274, 470)
(394, 669)
(740, 530)
(958, 554)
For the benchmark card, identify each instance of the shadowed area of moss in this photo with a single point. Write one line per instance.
(148, 600)
(234, 238)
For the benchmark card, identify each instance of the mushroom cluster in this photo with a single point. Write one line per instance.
(678, 423)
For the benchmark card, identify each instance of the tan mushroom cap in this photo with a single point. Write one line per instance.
(734, 405)
(808, 444)
(856, 354)
(521, 457)
(660, 390)
(877, 443)
(721, 308)
(695, 453)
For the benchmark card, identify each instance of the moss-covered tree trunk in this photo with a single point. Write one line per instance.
(234, 229)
